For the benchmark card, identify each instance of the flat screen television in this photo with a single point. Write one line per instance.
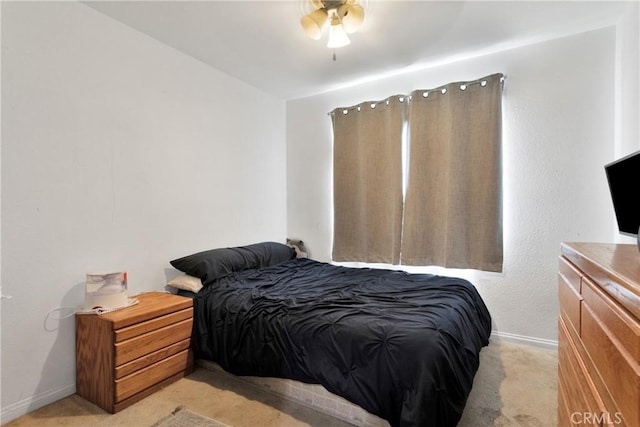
(623, 176)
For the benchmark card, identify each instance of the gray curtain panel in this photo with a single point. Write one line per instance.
(453, 206)
(367, 167)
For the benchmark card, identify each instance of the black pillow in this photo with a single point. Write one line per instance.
(213, 264)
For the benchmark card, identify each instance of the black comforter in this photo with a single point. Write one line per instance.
(402, 346)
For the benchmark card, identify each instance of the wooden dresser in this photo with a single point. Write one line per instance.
(125, 355)
(599, 335)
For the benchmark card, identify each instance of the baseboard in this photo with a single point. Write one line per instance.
(525, 340)
(32, 403)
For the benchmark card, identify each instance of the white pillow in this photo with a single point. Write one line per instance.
(186, 283)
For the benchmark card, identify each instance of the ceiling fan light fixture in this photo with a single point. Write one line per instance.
(344, 16)
(314, 22)
(352, 17)
(337, 36)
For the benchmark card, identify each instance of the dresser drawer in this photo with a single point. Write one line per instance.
(564, 413)
(618, 370)
(619, 323)
(570, 301)
(573, 376)
(571, 275)
(144, 378)
(134, 348)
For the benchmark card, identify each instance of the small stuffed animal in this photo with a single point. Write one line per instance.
(299, 246)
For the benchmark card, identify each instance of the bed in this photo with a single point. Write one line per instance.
(404, 347)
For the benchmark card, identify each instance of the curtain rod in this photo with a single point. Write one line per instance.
(463, 85)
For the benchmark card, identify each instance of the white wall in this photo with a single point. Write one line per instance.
(627, 87)
(627, 81)
(118, 153)
(558, 128)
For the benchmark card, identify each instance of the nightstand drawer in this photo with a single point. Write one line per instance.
(151, 358)
(144, 378)
(151, 325)
(133, 348)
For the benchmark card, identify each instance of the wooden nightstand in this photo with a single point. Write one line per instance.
(125, 355)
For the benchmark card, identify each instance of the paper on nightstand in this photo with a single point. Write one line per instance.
(106, 291)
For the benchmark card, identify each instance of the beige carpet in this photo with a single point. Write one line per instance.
(182, 417)
(515, 386)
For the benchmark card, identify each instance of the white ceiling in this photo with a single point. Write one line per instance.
(262, 43)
